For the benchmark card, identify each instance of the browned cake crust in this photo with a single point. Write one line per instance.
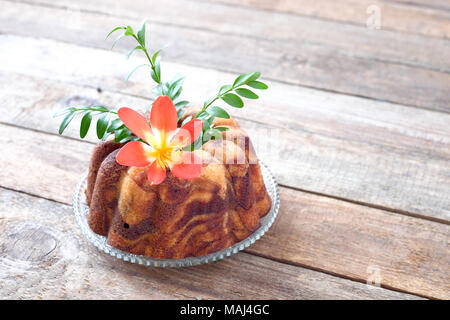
(179, 218)
(101, 151)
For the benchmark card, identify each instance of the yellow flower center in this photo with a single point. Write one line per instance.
(164, 156)
(163, 151)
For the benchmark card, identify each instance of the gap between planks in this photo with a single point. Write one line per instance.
(433, 4)
(334, 274)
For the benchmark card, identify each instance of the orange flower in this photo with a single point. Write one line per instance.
(163, 147)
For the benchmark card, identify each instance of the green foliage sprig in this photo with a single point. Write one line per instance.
(230, 94)
(108, 122)
(170, 88)
(154, 61)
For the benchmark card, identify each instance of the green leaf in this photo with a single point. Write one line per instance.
(201, 115)
(246, 93)
(198, 143)
(218, 112)
(114, 30)
(224, 88)
(158, 68)
(114, 125)
(121, 134)
(254, 76)
(85, 124)
(117, 134)
(155, 77)
(244, 78)
(212, 133)
(257, 85)
(102, 125)
(221, 129)
(176, 82)
(233, 100)
(176, 87)
(66, 121)
(131, 51)
(181, 104)
(156, 73)
(118, 138)
(129, 31)
(141, 33)
(155, 56)
(106, 136)
(99, 108)
(127, 138)
(175, 94)
(127, 134)
(132, 71)
(207, 123)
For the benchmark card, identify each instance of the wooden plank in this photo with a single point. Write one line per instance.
(351, 240)
(362, 150)
(341, 238)
(61, 264)
(437, 4)
(394, 16)
(278, 28)
(310, 64)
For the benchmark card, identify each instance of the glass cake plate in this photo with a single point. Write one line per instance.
(81, 211)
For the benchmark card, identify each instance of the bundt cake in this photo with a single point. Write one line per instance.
(179, 218)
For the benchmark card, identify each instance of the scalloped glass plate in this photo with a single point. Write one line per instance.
(81, 211)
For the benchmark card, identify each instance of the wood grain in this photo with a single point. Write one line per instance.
(437, 4)
(372, 152)
(308, 64)
(342, 238)
(61, 264)
(350, 240)
(430, 22)
(277, 28)
(389, 157)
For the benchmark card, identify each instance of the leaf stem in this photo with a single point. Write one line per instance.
(93, 109)
(152, 65)
(220, 95)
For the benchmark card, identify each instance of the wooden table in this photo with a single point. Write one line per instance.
(355, 126)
